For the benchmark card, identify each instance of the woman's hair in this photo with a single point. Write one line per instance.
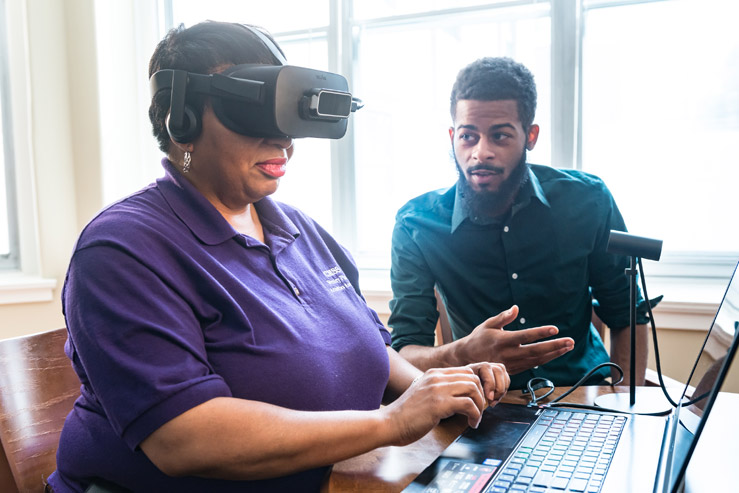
(497, 79)
(204, 48)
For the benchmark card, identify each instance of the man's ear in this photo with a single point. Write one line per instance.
(451, 134)
(532, 136)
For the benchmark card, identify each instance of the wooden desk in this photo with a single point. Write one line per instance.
(390, 469)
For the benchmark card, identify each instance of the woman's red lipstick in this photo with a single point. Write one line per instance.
(273, 167)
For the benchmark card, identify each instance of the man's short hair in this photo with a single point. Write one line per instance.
(497, 79)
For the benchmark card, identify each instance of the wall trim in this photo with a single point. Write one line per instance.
(25, 289)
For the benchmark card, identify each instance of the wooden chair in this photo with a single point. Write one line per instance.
(38, 388)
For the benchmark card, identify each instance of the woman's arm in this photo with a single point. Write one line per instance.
(402, 374)
(233, 438)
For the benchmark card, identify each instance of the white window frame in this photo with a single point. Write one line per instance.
(23, 282)
(11, 260)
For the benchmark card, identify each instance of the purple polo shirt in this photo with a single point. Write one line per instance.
(168, 307)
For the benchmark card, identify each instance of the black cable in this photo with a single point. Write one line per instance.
(605, 409)
(535, 383)
(540, 382)
(587, 375)
(656, 346)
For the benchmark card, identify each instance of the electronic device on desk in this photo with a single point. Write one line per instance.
(543, 448)
(649, 400)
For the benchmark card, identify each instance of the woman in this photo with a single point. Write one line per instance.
(218, 336)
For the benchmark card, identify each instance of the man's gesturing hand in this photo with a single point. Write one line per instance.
(517, 350)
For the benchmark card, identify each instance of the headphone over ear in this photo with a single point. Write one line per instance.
(188, 130)
(183, 124)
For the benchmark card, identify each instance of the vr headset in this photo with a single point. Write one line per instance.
(260, 100)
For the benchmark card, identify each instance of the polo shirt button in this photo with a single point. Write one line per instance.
(522, 320)
(505, 229)
(514, 276)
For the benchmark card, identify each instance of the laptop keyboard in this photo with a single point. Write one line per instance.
(564, 451)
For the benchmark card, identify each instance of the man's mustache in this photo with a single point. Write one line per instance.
(485, 167)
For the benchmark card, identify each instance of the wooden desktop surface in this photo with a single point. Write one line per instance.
(390, 469)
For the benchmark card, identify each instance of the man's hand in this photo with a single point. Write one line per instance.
(517, 350)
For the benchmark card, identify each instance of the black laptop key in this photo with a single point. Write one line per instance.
(534, 435)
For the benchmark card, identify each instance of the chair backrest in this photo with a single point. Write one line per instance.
(443, 329)
(38, 388)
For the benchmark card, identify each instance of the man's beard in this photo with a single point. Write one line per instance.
(491, 203)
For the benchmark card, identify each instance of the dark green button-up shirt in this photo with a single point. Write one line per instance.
(548, 256)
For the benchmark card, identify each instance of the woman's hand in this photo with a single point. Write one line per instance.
(495, 380)
(441, 393)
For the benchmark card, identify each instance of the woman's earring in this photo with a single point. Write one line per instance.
(187, 162)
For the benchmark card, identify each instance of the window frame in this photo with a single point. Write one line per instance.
(22, 283)
(567, 20)
(11, 260)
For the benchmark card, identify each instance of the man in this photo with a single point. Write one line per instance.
(525, 241)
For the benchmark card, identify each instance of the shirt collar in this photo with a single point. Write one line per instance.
(530, 189)
(204, 220)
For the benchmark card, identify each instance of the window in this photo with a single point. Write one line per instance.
(9, 258)
(644, 93)
(404, 71)
(660, 99)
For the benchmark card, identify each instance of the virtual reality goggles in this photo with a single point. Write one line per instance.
(262, 100)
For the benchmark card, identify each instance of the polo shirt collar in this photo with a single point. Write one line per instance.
(530, 189)
(204, 220)
(279, 230)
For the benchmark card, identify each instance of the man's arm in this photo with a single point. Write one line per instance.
(517, 350)
(414, 315)
(621, 353)
(611, 288)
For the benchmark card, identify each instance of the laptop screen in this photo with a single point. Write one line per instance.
(710, 374)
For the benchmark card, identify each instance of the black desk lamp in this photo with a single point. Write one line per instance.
(620, 243)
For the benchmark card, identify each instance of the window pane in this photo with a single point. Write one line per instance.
(4, 225)
(404, 75)
(8, 221)
(307, 183)
(661, 117)
(369, 9)
(275, 16)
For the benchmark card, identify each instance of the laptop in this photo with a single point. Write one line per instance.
(519, 448)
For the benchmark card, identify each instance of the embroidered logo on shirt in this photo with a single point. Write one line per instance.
(336, 279)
